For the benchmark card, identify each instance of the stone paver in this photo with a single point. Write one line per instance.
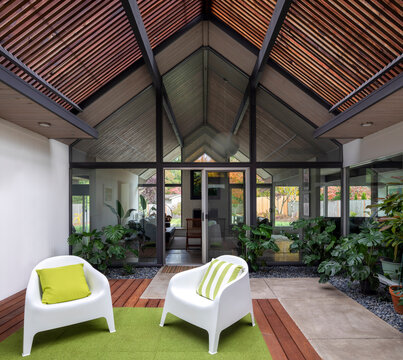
(357, 349)
(260, 290)
(303, 287)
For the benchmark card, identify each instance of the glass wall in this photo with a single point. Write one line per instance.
(127, 135)
(370, 183)
(95, 192)
(205, 91)
(283, 135)
(286, 195)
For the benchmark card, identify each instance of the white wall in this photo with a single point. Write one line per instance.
(34, 207)
(381, 144)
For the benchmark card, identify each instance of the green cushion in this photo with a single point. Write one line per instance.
(64, 283)
(218, 274)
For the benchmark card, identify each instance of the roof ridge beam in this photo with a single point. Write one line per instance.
(10, 57)
(276, 22)
(136, 22)
(15, 82)
(372, 79)
(384, 91)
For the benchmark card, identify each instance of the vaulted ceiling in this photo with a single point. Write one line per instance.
(88, 52)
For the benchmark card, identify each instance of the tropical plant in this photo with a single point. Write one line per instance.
(119, 212)
(392, 222)
(253, 241)
(356, 257)
(317, 241)
(100, 247)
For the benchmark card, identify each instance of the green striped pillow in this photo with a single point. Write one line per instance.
(218, 274)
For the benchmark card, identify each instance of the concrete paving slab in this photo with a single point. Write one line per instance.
(301, 287)
(359, 349)
(337, 318)
(260, 289)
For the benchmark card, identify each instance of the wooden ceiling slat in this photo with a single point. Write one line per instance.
(79, 46)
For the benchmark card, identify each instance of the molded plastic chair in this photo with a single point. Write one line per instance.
(40, 317)
(231, 304)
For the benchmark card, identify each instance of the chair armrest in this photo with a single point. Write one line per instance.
(188, 278)
(33, 295)
(96, 280)
(239, 288)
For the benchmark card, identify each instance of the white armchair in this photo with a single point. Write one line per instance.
(231, 304)
(40, 317)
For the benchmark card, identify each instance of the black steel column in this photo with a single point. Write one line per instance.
(345, 201)
(160, 178)
(252, 154)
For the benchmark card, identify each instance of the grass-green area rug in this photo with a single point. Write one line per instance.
(139, 336)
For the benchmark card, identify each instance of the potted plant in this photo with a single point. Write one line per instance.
(392, 229)
(254, 241)
(396, 292)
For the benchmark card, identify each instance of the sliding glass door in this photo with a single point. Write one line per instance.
(224, 205)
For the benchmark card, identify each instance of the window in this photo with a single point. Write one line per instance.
(287, 205)
(173, 198)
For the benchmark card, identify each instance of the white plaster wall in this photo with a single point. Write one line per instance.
(381, 144)
(34, 207)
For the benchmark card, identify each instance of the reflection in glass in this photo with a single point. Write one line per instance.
(96, 191)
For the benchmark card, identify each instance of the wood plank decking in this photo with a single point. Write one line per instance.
(282, 336)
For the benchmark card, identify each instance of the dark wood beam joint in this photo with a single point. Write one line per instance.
(384, 91)
(276, 22)
(17, 62)
(15, 82)
(371, 80)
(136, 22)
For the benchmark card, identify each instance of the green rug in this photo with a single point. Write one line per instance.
(139, 336)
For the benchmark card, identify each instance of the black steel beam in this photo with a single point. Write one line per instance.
(4, 52)
(15, 82)
(372, 79)
(276, 22)
(389, 88)
(136, 22)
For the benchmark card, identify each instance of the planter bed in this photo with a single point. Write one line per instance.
(138, 273)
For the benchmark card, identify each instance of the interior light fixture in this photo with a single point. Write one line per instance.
(367, 124)
(44, 124)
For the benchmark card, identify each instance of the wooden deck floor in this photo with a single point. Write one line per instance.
(283, 338)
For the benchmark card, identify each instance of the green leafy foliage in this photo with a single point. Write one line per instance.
(392, 223)
(253, 241)
(318, 239)
(100, 247)
(119, 212)
(356, 256)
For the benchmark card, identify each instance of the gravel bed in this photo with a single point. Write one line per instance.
(138, 273)
(379, 304)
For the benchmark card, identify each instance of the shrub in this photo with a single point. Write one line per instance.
(317, 241)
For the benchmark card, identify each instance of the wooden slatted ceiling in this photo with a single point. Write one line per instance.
(75, 46)
(330, 46)
(163, 18)
(248, 17)
(78, 46)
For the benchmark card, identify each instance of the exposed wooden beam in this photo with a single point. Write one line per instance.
(10, 57)
(134, 16)
(389, 88)
(15, 82)
(276, 21)
(388, 67)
